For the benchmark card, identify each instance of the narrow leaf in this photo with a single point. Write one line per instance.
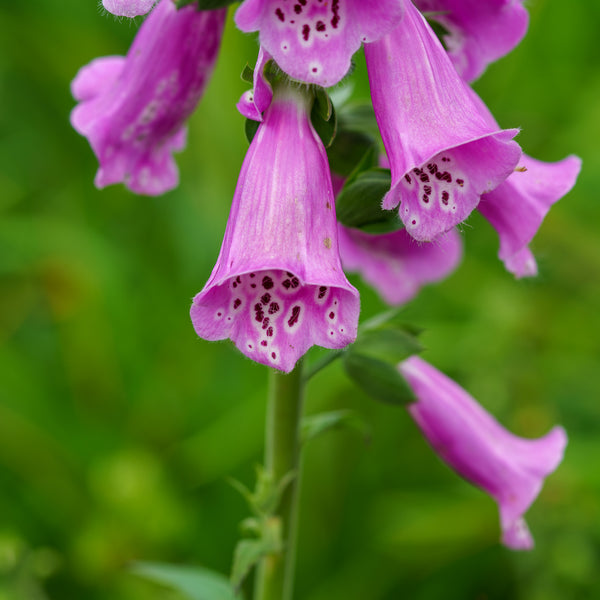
(315, 425)
(247, 74)
(250, 129)
(380, 380)
(193, 582)
(326, 128)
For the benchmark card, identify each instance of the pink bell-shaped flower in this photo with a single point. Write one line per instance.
(133, 109)
(128, 8)
(443, 154)
(509, 468)
(313, 40)
(278, 287)
(479, 32)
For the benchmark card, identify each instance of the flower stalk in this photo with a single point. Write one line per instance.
(275, 573)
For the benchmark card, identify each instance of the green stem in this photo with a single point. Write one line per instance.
(275, 574)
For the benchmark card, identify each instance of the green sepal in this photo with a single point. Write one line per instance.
(194, 583)
(247, 74)
(388, 343)
(378, 379)
(205, 4)
(325, 127)
(323, 103)
(315, 425)
(250, 129)
(359, 203)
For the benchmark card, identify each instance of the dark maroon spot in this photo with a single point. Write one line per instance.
(445, 159)
(289, 274)
(424, 177)
(305, 30)
(335, 9)
(427, 190)
(417, 171)
(322, 292)
(270, 332)
(303, 2)
(238, 279)
(407, 177)
(414, 222)
(286, 284)
(295, 282)
(447, 177)
(267, 282)
(252, 285)
(219, 314)
(252, 274)
(320, 26)
(297, 9)
(273, 308)
(314, 69)
(432, 168)
(273, 355)
(265, 322)
(234, 285)
(445, 197)
(460, 182)
(259, 314)
(265, 298)
(425, 198)
(236, 303)
(295, 316)
(263, 343)
(280, 14)
(332, 315)
(250, 346)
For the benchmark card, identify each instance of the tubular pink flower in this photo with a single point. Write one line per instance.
(314, 40)
(133, 109)
(442, 153)
(509, 468)
(128, 8)
(394, 264)
(278, 286)
(479, 32)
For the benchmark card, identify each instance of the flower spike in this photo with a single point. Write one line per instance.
(442, 153)
(509, 468)
(312, 40)
(478, 32)
(133, 109)
(278, 287)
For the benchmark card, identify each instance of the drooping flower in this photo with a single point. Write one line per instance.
(133, 109)
(312, 40)
(478, 32)
(509, 468)
(394, 264)
(278, 286)
(128, 8)
(443, 155)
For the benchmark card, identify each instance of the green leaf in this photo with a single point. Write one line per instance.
(389, 344)
(205, 4)
(359, 203)
(315, 425)
(193, 582)
(250, 129)
(378, 379)
(323, 103)
(325, 127)
(249, 552)
(352, 152)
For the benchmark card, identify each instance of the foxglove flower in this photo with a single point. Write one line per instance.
(312, 40)
(278, 286)
(443, 155)
(394, 264)
(133, 110)
(517, 207)
(479, 32)
(128, 8)
(509, 468)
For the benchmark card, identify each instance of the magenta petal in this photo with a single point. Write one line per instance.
(278, 286)
(443, 154)
(312, 40)
(128, 8)
(254, 102)
(517, 207)
(509, 468)
(480, 32)
(133, 110)
(395, 264)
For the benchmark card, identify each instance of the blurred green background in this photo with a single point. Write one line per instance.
(118, 426)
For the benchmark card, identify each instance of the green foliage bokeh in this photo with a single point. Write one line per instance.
(118, 426)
